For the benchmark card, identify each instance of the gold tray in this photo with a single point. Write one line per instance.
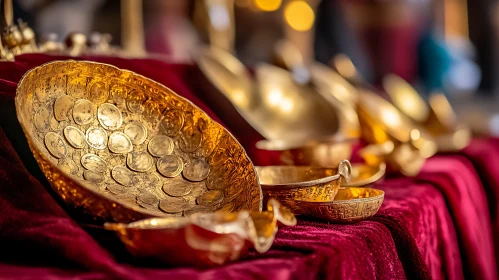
(122, 147)
(204, 239)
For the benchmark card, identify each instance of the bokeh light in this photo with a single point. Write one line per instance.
(268, 5)
(299, 15)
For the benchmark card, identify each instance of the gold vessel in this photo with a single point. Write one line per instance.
(437, 117)
(273, 104)
(364, 175)
(316, 153)
(122, 147)
(203, 239)
(316, 192)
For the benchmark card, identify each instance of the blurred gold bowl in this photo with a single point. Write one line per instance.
(317, 153)
(363, 175)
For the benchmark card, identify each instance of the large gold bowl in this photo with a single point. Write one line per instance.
(122, 147)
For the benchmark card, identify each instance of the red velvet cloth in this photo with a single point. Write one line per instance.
(434, 226)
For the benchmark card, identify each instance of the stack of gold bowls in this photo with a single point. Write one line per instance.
(312, 128)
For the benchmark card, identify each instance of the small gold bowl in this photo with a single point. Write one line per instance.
(350, 205)
(295, 186)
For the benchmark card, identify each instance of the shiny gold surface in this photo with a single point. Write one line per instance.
(438, 118)
(297, 186)
(350, 205)
(276, 106)
(97, 153)
(382, 122)
(404, 158)
(405, 98)
(203, 239)
(364, 175)
(442, 123)
(313, 153)
(323, 80)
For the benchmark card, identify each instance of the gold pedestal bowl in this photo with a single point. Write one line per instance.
(122, 147)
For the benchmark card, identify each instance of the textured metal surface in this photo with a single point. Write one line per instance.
(110, 141)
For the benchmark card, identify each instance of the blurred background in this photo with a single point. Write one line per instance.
(437, 45)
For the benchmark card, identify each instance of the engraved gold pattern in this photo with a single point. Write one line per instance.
(110, 172)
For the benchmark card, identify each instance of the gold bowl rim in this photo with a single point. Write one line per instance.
(297, 185)
(381, 170)
(84, 184)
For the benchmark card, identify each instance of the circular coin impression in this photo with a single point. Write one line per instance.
(173, 205)
(62, 106)
(177, 188)
(147, 198)
(97, 138)
(67, 165)
(83, 112)
(42, 119)
(160, 146)
(109, 116)
(150, 180)
(172, 122)
(139, 161)
(137, 132)
(94, 163)
(123, 176)
(116, 189)
(196, 170)
(119, 143)
(170, 166)
(190, 139)
(210, 198)
(98, 93)
(74, 136)
(55, 145)
(94, 177)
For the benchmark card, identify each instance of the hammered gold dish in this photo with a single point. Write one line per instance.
(122, 147)
(437, 117)
(349, 206)
(203, 239)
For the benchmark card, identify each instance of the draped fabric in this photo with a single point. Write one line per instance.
(437, 225)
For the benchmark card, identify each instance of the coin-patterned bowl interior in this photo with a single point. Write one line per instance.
(110, 140)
